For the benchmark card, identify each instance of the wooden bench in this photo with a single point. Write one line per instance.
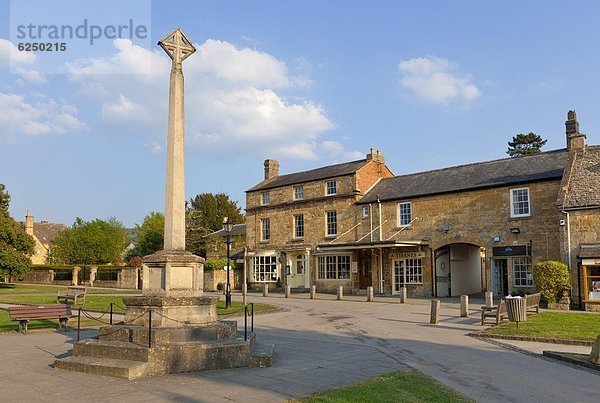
(73, 293)
(25, 313)
(498, 312)
(532, 303)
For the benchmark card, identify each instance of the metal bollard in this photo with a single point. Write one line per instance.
(369, 294)
(435, 312)
(489, 299)
(403, 295)
(78, 323)
(149, 328)
(464, 306)
(313, 292)
(266, 290)
(340, 293)
(288, 291)
(111, 313)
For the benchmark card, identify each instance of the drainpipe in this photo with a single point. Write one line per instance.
(371, 219)
(379, 206)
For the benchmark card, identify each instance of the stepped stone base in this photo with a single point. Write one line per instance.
(122, 351)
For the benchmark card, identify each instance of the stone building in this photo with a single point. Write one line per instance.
(287, 216)
(445, 232)
(579, 203)
(43, 233)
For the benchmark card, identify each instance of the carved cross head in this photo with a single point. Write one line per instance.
(177, 46)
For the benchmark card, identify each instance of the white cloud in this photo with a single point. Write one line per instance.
(436, 80)
(9, 53)
(153, 148)
(40, 117)
(31, 76)
(338, 150)
(232, 99)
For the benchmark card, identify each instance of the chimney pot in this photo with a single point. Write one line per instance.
(271, 169)
(575, 139)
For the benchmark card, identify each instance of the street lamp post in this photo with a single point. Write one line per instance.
(227, 227)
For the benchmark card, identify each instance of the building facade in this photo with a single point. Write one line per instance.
(446, 232)
(43, 234)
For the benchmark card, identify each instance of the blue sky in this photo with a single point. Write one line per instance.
(431, 83)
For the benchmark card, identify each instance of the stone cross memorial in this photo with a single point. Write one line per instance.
(172, 327)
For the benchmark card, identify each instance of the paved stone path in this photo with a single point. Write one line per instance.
(319, 344)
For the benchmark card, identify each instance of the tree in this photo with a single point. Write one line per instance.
(92, 242)
(205, 214)
(525, 144)
(551, 278)
(16, 246)
(4, 200)
(150, 235)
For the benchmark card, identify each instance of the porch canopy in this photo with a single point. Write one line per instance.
(334, 247)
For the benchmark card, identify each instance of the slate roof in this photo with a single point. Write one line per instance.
(589, 251)
(330, 171)
(583, 189)
(507, 171)
(238, 229)
(45, 232)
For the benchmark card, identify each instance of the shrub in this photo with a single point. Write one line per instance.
(219, 264)
(551, 278)
(135, 261)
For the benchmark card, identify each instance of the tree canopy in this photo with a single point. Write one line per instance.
(525, 144)
(205, 214)
(16, 247)
(92, 242)
(150, 235)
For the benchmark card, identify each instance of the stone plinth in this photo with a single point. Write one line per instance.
(173, 273)
(171, 311)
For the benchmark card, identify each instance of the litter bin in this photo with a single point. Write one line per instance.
(515, 309)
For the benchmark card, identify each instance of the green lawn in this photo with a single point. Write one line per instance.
(401, 386)
(8, 325)
(560, 325)
(92, 302)
(52, 289)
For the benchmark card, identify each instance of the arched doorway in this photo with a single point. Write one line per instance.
(458, 269)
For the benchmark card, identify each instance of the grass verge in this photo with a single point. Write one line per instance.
(558, 325)
(401, 386)
(14, 289)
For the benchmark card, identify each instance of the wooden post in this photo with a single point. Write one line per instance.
(403, 295)
(266, 290)
(435, 312)
(370, 294)
(340, 293)
(489, 299)
(464, 306)
(288, 291)
(313, 292)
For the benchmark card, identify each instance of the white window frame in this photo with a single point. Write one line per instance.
(330, 190)
(522, 265)
(400, 215)
(513, 201)
(333, 267)
(298, 225)
(365, 212)
(412, 272)
(299, 192)
(264, 268)
(264, 221)
(265, 198)
(327, 224)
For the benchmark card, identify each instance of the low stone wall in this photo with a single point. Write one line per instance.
(127, 277)
(213, 277)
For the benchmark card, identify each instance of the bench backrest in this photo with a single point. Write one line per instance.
(39, 311)
(533, 299)
(76, 290)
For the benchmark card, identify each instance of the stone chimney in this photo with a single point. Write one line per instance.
(575, 140)
(271, 169)
(375, 155)
(29, 223)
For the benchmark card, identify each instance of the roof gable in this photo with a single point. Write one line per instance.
(503, 172)
(583, 182)
(46, 232)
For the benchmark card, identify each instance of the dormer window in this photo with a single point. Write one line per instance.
(519, 203)
(298, 192)
(331, 188)
(265, 198)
